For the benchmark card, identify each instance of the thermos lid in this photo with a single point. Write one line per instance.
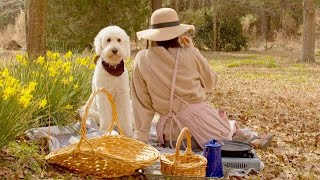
(213, 144)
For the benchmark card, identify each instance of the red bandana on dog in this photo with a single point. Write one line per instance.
(114, 70)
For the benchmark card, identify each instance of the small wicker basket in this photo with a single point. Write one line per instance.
(107, 156)
(187, 164)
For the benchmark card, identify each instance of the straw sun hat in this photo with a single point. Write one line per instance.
(165, 25)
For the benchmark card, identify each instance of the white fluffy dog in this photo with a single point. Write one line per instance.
(112, 44)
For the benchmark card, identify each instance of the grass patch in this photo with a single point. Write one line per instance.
(299, 65)
(217, 65)
(281, 75)
(259, 75)
(282, 71)
(269, 63)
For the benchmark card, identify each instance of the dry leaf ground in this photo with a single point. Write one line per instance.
(273, 94)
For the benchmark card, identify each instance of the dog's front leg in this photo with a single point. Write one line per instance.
(125, 113)
(105, 111)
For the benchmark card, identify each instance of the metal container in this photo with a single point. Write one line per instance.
(212, 152)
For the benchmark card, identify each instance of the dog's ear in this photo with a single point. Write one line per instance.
(97, 44)
(96, 58)
(128, 47)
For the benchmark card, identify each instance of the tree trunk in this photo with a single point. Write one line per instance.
(184, 5)
(202, 3)
(283, 11)
(214, 5)
(308, 41)
(173, 4)
(156, 4)
(36, 27)
(177, 7)
(191, 4)
(264, 27)
(196, 4)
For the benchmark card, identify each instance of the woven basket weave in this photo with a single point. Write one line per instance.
(107, 156)
(187, 164)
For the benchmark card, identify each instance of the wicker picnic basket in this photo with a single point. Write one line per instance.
(187, 164)
(107, 156)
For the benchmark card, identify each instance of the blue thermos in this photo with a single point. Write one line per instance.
(212, 152)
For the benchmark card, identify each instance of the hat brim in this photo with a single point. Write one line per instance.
(164, 34)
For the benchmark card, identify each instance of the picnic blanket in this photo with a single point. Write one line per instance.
(61, 136)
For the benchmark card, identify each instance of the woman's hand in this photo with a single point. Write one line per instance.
(186, 41)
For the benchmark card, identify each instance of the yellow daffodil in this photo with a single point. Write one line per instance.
(25, 100)
(92, 66)
(55, 56)
(82, 61)
(76, 86)
(32, 86)
(69, 107)
(71, 79)
(21, 59)
(49, 54)
(5, 72)
(29, 89)
(42, 103)
(66, 67)
(40, 60)
(1, 82)
(65, 81)
(59, 63)
(8, 92)
(68, 55)
(52, 71)
(11, 82)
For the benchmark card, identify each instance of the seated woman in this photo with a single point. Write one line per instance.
(172, 79)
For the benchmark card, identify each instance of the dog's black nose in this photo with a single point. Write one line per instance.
(114, 51)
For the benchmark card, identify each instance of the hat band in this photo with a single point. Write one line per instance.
(166, 24)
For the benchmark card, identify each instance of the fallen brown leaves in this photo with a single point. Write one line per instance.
(283, 100)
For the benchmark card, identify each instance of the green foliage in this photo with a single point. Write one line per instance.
(14, 117)
(27, 155)
(13, 120)
(230, 36)
(73, 24)
(195, 17)
(46, 88)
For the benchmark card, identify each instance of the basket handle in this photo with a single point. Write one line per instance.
(184, 131)
(114, 122)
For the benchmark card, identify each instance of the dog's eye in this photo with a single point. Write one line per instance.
(119, 40)
(108, 40)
